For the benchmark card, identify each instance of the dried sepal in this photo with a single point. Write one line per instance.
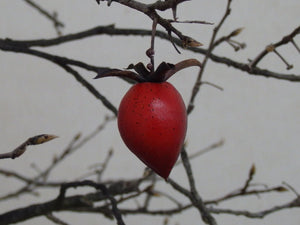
(120, 73)
(182, 65)
(140, 69)
(108, 2)
(160, 73)
(163, 72)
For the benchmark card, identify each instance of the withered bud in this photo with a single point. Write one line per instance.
(236, 31)
(149, 66)
(281, 189)
(190, 42)
(252, 170)
(150, 52)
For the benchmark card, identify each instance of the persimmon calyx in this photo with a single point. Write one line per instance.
(163, 72)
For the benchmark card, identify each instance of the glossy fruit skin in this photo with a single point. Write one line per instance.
(152, 121)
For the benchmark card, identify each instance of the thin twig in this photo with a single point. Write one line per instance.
(295, 45)
(150, 11)
(194, 196)
(18, 46)
(227, 37)
(36, 140)
(73, 203)
(57, 24)
(98, 186)
(54, 219)
(286, 39)
(207, 56)
(250, 178)
(63, 62)
(40, 179)
(261, 214)
(191, 21)
(204, 150)
(288, 66)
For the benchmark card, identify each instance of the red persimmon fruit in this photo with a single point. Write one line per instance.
(152, 117)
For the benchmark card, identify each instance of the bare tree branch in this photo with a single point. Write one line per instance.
(197, 84)
(261, 214)
(194, 196)
(97, 186)
(36, 140)
(72, 203)
(52, 17)
(285, 40)
(40, 179)
(63, 62)
(14, 45)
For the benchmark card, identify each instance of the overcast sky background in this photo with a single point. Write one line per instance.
(257, 117)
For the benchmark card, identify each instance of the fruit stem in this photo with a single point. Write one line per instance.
(150, 51)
